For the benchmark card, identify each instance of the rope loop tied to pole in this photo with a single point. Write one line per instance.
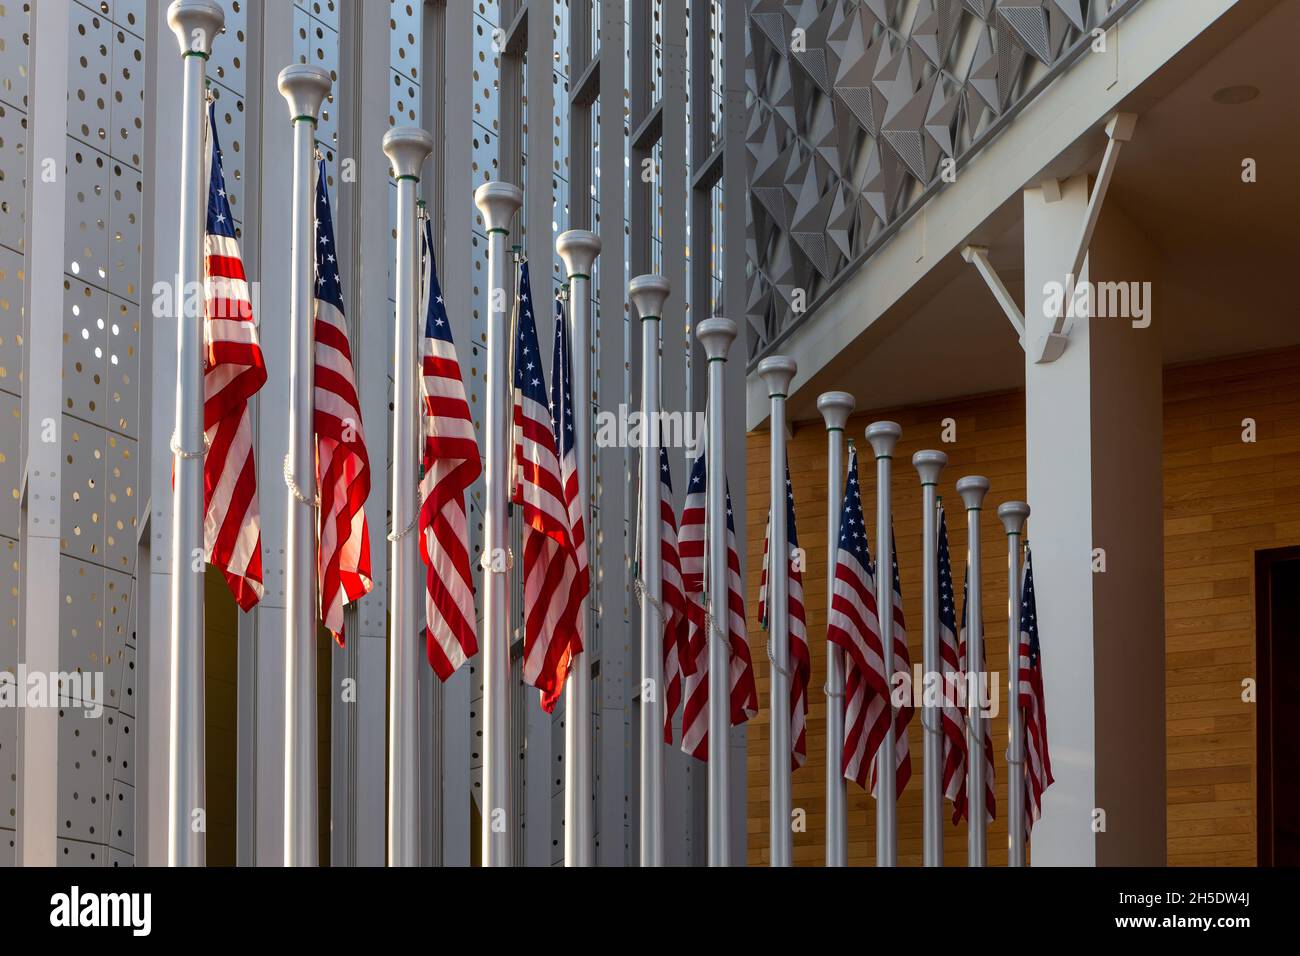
(294, 490)
(180, 452)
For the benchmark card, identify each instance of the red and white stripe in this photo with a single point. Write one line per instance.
(744, 691)
(451, 464)
(342, 465)
(800, 664)
(551, 601)
(233, 371)
(677, 658)
(867, 690)
(990, 781)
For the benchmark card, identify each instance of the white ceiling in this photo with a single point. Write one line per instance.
(1230, 250)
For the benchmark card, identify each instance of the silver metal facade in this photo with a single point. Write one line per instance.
(862, 109)
(613, 115)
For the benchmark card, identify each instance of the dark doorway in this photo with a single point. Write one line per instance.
(1277, 616)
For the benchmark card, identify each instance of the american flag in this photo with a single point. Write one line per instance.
(451, 464)
(233, 371)
(744, 692)
(677, 659)
(986, 730)
(951, 717)
(342, 464)
(566, 446)
(854, 625)
(799, 662)
(1038, 764)
(553, 588)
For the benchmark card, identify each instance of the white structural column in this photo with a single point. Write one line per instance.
(498, 202)
(835, 408)
(43, 297)
(1013, 515)
(1093, 438)
(777, 371)
(407, 147)
(716, 335)
(972, 489)
(578, 249)
(928, 465)
(304, 89)
(196, 24)
(647, 294)
(883, 437)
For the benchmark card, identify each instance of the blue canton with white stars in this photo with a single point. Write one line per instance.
(528, 370)
(947, 599)
(665, 473)
(1029, 611)
(220, 221)
(700, 482)
(791, 536)
(329, 287)
(561, 387)
(853, 532)
(437, 324)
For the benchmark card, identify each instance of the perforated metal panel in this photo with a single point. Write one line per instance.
(13, 173)
(100, 423)
(10, 579)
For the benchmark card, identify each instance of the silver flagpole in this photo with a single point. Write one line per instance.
(1013, 515)
(883, 436)
(777, 371)
(196, 24)
(835, 408)
(498, 202)
(928, 464)
(972, 489)
(304, 89)
(716, 335)
(407, 147)
(647, 293)
(578, 249)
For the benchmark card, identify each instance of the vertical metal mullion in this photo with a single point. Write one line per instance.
(612, 586)
(453, 232)
(735, 116)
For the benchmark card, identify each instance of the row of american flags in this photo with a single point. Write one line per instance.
(555, 564)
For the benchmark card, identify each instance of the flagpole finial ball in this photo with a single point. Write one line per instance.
(407, 147)
(578, 249)
(972, 489)
(498, 202)
(928, 464)
(304, 89)
(716, 335)
(883, 437)
(777, 372)
(835, 408)
(648, 293)
(1013, 515)
(196, 24)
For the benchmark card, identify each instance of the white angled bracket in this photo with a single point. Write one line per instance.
(978, 256)
(1119, 130)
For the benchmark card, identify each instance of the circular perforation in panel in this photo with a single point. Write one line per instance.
(15, 25)
(11, 335)
(87, 322)
(81, 737)
(126, 137)
(125, 203)
(82, 510)
(13, 176)
(404, 34)
(10, 581)
(90, 77)
(121, 505)
(230, 50)
(86, 237)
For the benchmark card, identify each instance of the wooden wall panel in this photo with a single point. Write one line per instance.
(1224, 499)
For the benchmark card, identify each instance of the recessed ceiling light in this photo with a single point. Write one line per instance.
(1235, 95)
